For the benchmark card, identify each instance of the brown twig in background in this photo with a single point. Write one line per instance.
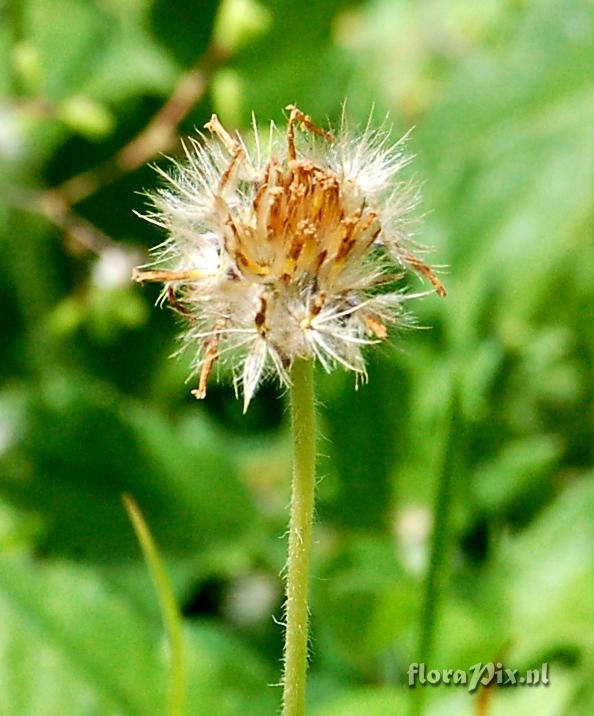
(81, 234)
(485, 695)
(484, 700)
(159, 135)
(38, 107)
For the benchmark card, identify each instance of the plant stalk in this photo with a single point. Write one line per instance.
(437, 573)
(176, 691)
(303, 421)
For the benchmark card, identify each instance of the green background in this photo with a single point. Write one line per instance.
(496, 396)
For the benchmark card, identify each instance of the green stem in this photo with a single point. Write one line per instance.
(436, 579)
(176, 692)
(303, 422)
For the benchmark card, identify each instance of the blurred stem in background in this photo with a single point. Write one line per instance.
(439, 560)
(176, 690)
(302, 509)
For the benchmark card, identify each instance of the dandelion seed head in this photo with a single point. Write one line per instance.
(294, 249)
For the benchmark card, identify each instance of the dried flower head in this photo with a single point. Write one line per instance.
(295, 249)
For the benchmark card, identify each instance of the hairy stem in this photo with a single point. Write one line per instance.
(300, 529)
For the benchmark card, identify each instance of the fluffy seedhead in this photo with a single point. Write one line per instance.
(291, 250)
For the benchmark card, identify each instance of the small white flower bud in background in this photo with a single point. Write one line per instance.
(412, 530)
(113, 266)
(11, 139)
(251, 599)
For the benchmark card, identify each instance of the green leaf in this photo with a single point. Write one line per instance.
(365, 437)
(184, 27)
(227, 677)
(292, 61)
(70, 37)
(72, 644)
(550, 570)
(518, 468)
(85, 445)
(365, 702)
(68, 644)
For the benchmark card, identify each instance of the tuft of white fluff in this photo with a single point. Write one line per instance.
(294, 248)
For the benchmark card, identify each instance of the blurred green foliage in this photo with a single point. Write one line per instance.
(502, 97)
